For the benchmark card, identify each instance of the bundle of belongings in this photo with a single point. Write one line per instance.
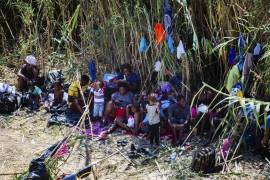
(58, 107)
(9, 99)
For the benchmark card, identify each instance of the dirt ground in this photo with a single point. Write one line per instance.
(24, 136)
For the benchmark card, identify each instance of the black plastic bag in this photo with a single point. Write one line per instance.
(37, 168)
(8, 103)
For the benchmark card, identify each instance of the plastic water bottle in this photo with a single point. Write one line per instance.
(173, 158)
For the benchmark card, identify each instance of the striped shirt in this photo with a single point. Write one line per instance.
(98, 96)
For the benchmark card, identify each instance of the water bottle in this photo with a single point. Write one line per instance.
(173, 158)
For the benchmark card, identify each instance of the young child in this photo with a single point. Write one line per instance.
(98, 100)
(153, 119)
(134, 118)
(57, 97)
(35, 96)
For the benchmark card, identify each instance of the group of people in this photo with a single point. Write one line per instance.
(121, 102)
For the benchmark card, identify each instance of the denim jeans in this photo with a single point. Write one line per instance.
(98, 110)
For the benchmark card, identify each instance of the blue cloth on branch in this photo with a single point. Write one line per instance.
(92, 69)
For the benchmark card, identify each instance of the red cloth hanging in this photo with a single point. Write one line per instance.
(160, 33)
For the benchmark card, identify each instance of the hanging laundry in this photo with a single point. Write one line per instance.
(143, 45)
(195, 42)
(241, 45)
(167, 20)
(180, 50)
(241, 42)
(92, 69)
(248, 64)
(233, 78)
(257, 50)
(157, 66)
(170, 43)
(160, 33)
(232, 56)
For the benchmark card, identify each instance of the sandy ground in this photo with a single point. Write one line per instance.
(24, 136)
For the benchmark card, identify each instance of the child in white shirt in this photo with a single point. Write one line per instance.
(153, 118)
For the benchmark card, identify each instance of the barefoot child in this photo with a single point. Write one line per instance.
(98, 101)
(153, 119)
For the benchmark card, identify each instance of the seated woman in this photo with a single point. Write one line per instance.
(120, 101)
(178, 119)
(28, 72)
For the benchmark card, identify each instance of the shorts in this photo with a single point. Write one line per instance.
(98, 110)
(120, 113)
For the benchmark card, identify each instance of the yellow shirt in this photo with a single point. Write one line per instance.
(74, 89)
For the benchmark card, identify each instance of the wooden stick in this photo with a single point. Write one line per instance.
(164, 178)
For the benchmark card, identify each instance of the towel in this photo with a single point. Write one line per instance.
(170, 43)
(143, 45)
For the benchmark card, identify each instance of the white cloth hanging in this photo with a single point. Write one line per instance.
(180, 50)
(158, 66)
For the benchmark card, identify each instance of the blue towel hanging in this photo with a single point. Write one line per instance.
(170, 43)
(232, 56)
(143, 45)
(92, 69)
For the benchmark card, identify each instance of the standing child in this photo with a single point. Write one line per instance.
(153, 119)
(98, 100)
